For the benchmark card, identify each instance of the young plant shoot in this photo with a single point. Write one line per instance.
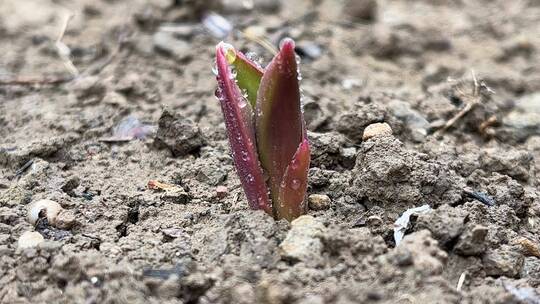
(266, 129)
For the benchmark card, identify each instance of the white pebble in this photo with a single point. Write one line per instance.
(29, 239)
(376, 130)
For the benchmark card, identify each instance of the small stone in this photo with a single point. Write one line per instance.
(45, 207)
(472, 241)
(87, 86)
(376, 130)
(503, 261)
(302, 242)
(176, 197)
(348, 156)
(221, 192)
(115, 99)
(173, 232)
(65, 220)
(177, 133)
(319, 202)
(309, 49)
(29, 240)
(374, 220)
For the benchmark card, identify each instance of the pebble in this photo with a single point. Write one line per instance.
(65, 220)
(179, 134)
(221, 192)
(377, 130)
(301, 242)
(309, 49)
(472, 241)
(319, 202)
(29, 239)
(217, 25)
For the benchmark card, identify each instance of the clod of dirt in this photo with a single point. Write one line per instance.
(445, 223)
(504, 190)
(360, 10)
(414, 122)
(43, 148)
(319, 202)
(531, 271)
(388, 173)
(302, 242)
(376, 129)
(327, 150)
(514, 163)
(177, 197)
(472, 241)
(503, 261)
(315, 116)
(353, 123)
(386, 41)
(29, 239)
(422, 251)
(179, 134)
(524, 120)
(43, 208)
(167, 43)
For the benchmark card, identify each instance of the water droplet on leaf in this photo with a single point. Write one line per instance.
(295, 184)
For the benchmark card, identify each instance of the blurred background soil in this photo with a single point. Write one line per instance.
(107, 107)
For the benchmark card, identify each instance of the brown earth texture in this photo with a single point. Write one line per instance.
(107, 108)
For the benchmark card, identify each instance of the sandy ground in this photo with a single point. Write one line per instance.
(458, 82)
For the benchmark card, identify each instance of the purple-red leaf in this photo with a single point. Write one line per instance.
(279, 119)
(238, 117)
(293, 185)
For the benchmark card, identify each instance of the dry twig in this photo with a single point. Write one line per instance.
(471, 99)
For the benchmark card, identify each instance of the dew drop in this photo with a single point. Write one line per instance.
(256, 59)
(232, 73)
(250, 178)
(295, 184)
(260, 200)
(242, 103)
(294, 164)
(245, 156)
